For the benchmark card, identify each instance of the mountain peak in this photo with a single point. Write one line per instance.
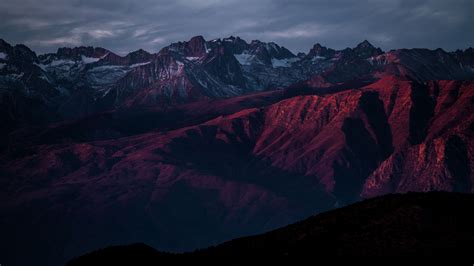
(138, 56)
(196, 46)
(140, 51)
(235, 39)
(197, 39)
(268, 50)
(318, 46)
(365, 44)
(232, 37)
(256, 42)
(365, 50)
(322, 51)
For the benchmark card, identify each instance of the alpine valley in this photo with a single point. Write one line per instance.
(206, 141)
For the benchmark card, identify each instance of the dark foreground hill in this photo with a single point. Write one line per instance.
(422, 224)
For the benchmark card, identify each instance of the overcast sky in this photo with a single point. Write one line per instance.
(125, 25)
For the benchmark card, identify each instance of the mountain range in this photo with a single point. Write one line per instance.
(80, 81)
(206, 141)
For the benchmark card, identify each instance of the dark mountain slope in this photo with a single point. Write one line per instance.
(434, 224)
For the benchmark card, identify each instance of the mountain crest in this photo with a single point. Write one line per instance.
(365, 50)
(76, 53)
(321, 51)
(365, 44)
(138, 56)
(233, 38)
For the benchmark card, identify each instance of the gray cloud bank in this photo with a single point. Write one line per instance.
(125, 25)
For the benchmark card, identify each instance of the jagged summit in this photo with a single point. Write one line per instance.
(139, 51)
(233, 38)
(365, 44)
(77, 52)
(321, 51)
(365, 50)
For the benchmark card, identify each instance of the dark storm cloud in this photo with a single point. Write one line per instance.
(125, 25)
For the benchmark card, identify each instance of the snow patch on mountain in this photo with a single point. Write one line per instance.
(106, 75)
(208, 50)
(192, 58)
(284, 62)
(44, 77)
(62, 64)
(16, 76)
(244, 59)
(3, 56)
(42, 66)
(139, 64)
(89, 60)
(318, 58)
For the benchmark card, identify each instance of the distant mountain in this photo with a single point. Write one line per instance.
(76, 82)
(427, 225)
(25, 91)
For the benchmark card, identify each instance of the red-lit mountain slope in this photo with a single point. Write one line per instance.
(238, 173)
